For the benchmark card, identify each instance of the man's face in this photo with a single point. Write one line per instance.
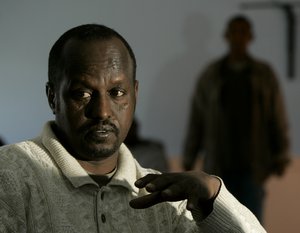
(238, 37)
(95, 100)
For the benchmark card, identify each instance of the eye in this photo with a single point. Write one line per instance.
(117, 92)
(81, 95)
(85, 95)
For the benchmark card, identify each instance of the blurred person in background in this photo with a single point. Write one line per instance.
(237, 121)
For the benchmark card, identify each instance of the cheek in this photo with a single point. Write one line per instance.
(125, 112)
(126, 106)
(73, 113)
(123, 107)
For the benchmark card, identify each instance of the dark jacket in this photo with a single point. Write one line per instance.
(267, 133)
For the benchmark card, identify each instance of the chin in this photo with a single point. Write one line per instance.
(99, 152)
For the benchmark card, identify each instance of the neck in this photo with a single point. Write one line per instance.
(238, 57)
(101, 167)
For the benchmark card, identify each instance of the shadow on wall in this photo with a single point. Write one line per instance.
(2, 143)
(174, 84)
(149, 152)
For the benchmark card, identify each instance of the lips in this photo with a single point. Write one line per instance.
(101, 133)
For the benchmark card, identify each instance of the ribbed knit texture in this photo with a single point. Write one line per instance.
(44, 189)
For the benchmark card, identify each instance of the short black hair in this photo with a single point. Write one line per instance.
(239, 18)
(85, 32)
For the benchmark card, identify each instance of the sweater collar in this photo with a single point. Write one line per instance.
(125, 175)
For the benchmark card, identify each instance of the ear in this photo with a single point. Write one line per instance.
(51, 96)
(136, 88)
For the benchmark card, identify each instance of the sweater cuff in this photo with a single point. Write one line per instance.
(228, 215)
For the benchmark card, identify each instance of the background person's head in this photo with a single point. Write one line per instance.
(92, 90)
(238, 35)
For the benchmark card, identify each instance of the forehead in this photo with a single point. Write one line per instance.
(238, 25)
(105, 54)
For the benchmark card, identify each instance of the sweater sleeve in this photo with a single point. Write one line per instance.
(229, 215)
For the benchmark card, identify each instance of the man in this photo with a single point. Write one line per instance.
(238, 120)
(77, 176)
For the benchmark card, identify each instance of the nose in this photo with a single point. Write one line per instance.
(99, 107)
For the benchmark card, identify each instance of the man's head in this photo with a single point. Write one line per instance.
(92, 90)
(238, 34)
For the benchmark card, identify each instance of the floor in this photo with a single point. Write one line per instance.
(282, 204)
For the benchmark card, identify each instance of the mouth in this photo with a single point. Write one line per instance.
(101, 133)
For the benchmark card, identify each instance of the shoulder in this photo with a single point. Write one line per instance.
(210, 72)
(15, 167)
(12, 152)
(213, 65)
(262, 65)
(18, 155)
(208, 78)
(264, 74)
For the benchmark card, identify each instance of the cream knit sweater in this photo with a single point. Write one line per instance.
(44, 189)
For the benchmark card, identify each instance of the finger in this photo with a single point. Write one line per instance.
(174, 192)
(142, 182)
(192, 202)
(161, 182)
(146, 201)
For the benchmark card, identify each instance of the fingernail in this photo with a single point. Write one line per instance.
(150, 187)
(138, 182)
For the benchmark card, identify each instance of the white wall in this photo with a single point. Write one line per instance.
(173, 40)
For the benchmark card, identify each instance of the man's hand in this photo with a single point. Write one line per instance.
(199, 188)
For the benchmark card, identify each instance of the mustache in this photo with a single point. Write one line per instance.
(105, 125)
